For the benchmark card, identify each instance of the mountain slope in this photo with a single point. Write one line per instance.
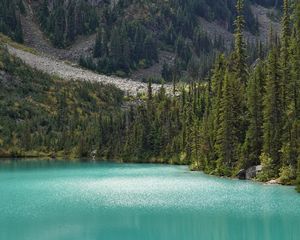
(185, 37)
(68, 72)
(42, 115)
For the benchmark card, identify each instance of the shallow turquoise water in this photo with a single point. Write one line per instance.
(87, 201)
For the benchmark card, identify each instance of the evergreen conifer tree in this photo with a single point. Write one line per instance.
(227, 140)
(59, 24)
(254, 137)
(71, 28)
(284, 54)
(272, 112)
(98, 45)
(44, 15)
(240, 64)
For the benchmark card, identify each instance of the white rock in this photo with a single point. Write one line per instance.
(273, 181)
(68, 72)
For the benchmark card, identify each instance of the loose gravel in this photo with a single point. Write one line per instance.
(69, 72)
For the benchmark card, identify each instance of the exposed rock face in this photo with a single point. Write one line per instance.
(249, 173)
(253, 171)
(68, 72)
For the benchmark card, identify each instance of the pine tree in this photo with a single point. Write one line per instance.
(193, 69)
(18, 36)
(124, 57)
(44, 15)
(59, 24)
(98, 45)
(150, 51)
(211, 121)
(289, 66)
(240, 64)
(284, 54)
(70, 35)
(295, 62)
(138, 43)
(115, 47)
(227, 139)
(217, 86)
(227, 122)
(10, 23)
(104, 47)
(291, 137)
(272, 125)
(254, 137)
(239, 74)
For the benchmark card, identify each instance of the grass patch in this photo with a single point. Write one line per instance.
(7, 40)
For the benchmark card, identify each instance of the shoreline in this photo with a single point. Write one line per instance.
(90, 160)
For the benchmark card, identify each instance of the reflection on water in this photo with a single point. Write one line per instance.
(58, 200)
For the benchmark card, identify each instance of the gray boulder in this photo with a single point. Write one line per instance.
(253, 171)
(247, 174)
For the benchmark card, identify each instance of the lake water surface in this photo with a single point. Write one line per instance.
(44, 200)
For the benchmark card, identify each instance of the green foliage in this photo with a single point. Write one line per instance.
(150, 26)
(166, 23)
(264, 129)
(227, 139)
(242, 116)
(66, 20)
(254, 136)
(130, 45)
(240, 66)
(10, 23)
(267, 172)
(230, 104)
(44, 115)
(286, 175)
(273, 110)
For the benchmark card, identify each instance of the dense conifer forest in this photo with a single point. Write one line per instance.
(10, 19)
(63, 21)
(242, 115)
(127, 29)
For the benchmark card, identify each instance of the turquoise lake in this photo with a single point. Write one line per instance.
(43, 200)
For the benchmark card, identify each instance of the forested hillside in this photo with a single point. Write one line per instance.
(10, 18)
(131, 28)
(243, 115)
(134, 35)
(62, 21)
(253, 113)
(42, 115)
